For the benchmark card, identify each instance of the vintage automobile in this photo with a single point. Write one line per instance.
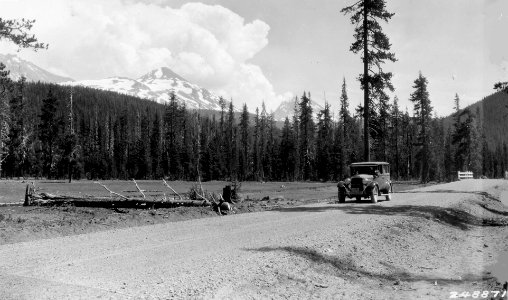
(368, 180)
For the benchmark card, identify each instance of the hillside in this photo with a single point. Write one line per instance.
(493, 112)
(19, 67)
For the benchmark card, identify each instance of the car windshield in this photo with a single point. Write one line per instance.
(363, 170)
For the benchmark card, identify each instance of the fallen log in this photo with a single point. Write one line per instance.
(47, 199)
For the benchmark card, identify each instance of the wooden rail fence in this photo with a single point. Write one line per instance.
(465, 175)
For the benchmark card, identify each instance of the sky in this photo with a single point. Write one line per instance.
(271, 50)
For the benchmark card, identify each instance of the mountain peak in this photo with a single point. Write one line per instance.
(161, 73)
(287, 109)
(158, 85)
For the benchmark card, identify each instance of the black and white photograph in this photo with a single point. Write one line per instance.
(253, 149)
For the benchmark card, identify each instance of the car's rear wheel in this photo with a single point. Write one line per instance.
(342, 197)
(373, 195)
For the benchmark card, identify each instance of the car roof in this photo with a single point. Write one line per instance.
(369, 163)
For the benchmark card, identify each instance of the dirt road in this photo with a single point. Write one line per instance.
(425, 243)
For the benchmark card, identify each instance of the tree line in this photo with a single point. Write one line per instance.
(52, 131)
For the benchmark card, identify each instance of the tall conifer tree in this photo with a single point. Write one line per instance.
(324, 144)
(345, 132)
(307, 130)
(374, 45)
(423, 116)
(49, 129)
(244, 165)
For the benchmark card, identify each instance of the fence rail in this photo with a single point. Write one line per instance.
(465, 175)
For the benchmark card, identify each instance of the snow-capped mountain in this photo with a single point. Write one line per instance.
(157, 85)
(19, 67)
(287, 109)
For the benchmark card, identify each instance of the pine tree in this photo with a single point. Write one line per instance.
(345, 133)
(244, 161)
(122, 145)
(256, 152)
(264, 132)
(448, 156)
(437, 144)
(374, 46)
(505, 157)
(21, 135)
(408, 142)
(396, 138)
(17, 32)
(271, 160)
(205, 155)
(380, 129)
(501, 86)
(296, 140)
(324, 144)
(467, 141)
(423, 116)
(231, 146)
(172, 122)
(475, 153)
(287, 151)
(70, 141)
(48, 132)
(156, 147)
(144, 162)
(5, 86)
(307, 130)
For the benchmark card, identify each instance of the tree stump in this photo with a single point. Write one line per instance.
(28, 196)
(226, 193)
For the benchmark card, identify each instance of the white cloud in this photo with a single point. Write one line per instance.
(92, 39)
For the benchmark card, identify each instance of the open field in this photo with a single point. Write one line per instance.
(14, 190)
(19, 224)
(427, 243)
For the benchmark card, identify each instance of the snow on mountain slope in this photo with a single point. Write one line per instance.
(19, 67)
(117, 84)
(158, 85)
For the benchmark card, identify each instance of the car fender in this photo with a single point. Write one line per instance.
(371, 185)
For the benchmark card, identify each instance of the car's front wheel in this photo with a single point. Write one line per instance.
(373, 195)
(388, 196)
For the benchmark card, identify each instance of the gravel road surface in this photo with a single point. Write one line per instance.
(425, 243)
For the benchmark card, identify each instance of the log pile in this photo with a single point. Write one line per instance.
(115, 200)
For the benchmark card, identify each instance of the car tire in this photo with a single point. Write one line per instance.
(373, 195)
(388, 197)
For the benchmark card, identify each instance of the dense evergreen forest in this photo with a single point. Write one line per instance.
(54, 131)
